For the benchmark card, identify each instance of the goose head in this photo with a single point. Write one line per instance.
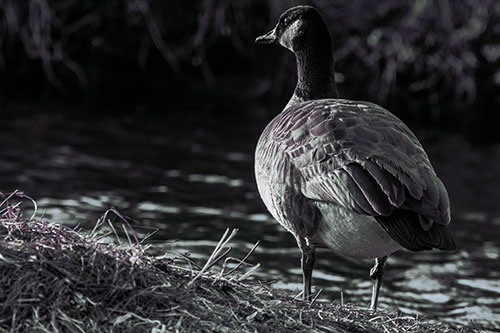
(299, 28)
(303, 31)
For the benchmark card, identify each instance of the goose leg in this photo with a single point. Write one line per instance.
(307, 263)
(377, 275)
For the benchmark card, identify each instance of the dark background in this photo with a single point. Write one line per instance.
(434, 63)
(155, 107)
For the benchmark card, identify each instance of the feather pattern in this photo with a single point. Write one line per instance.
(404, 226)
(356, 155)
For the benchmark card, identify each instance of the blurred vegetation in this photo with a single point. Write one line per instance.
(435, 63)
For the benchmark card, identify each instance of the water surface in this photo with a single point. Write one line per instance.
(189, 181)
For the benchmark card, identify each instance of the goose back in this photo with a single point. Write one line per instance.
(353, 155)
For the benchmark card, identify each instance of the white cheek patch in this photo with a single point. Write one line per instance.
(289, 33)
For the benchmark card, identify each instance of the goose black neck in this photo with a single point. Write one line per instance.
(315, 69)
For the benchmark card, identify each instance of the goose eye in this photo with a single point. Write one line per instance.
(286, 21)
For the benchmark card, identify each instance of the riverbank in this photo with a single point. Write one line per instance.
(56, 279)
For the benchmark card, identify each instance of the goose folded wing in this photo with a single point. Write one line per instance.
(360, 156)
(372, 177)
(354, 187)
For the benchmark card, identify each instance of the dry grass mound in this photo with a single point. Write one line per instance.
(56, 279)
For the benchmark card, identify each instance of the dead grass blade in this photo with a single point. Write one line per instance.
(216, 254)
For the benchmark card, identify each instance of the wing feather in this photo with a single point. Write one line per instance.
(356, 192)
(393, 189)
(371, 190)
(361, 157)
(369, 169)
(403, 227)
(413, 188)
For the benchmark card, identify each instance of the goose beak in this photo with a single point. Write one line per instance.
(268, 38)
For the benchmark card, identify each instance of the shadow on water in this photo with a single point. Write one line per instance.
(191, 182)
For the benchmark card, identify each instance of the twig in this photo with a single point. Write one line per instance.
(126, 234)
(155, 34)
(35, 206)
(315, 298)
(182, 256)
(117, 213)
(215, 254)
(114, 230)
(8, 197)
(216, 260)
(149, 235)
(249, 272)
(241, 261)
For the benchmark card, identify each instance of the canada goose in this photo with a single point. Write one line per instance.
(341, 174)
